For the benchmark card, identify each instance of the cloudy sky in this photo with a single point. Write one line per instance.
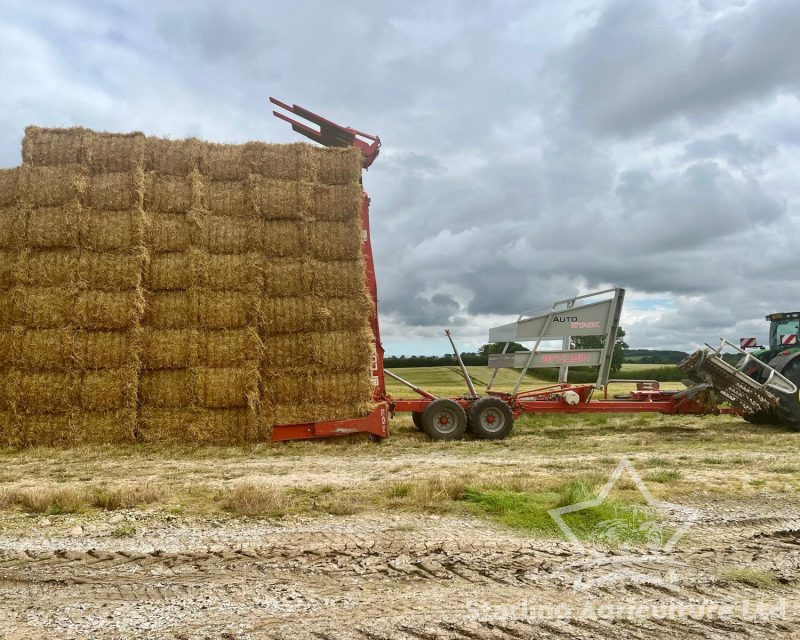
(531, 150)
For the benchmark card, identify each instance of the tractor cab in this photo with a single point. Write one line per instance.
(784, 330)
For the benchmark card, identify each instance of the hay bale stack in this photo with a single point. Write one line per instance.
(179, 290)
(72, 301)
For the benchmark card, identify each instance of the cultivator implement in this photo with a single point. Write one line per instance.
(750, 392)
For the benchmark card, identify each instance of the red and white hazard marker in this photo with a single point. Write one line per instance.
(747, 343)
(789, 340)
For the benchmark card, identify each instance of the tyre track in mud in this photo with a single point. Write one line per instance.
(313, 587)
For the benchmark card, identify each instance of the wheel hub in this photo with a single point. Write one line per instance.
(491, 419)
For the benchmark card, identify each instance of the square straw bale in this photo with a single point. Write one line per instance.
(337, 278)
(67, 430)
(167, 388)
(333, 202)
(53, 147)
(113, 152)
(198, 426)
(42, 391)
(288, 315)
(175, 348)
(115, 191)
(277, 161)
(51, 186)
(12, 227)
(112, 230)
(106, 349)
(284, 239)
(52, 227)
(172, 157)
(170, 310)
(285, 277)
(167, 194)
(229, 348)
(331, 389)
(331, 351)
(8, 345)
(42, 308)
(334, 240)
(225, 161)
(280, 199)
(109, 271)
(236, 271)
(229, 198)
(42, 349)
(221, 234)
(169, 271)
(49, 268)
(200, 308)
(9, 179)
(168, 232)
(222, 388)
(109, 389)
(333, 165)
(228, 309)
(108, 309)
(281, 387)
(169, 348)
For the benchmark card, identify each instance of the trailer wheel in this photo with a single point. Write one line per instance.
(765, 416)
(444, 419)
(416, 417)
(490, 419)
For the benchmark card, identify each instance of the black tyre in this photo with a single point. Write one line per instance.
(444, 419)
(490, 419)
(766, 416)
(788, 410)
(416, 417)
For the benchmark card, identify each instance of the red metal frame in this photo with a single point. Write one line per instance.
(376, 423)
(330, 134)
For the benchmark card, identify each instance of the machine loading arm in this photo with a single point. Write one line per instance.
(330, 134)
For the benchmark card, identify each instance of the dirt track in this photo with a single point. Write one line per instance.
(383, 574)
(361, 577)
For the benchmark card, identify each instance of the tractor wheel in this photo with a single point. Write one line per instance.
(490, 419)
(788, 410)
(416, 417)
(444, 419)
(765, 416)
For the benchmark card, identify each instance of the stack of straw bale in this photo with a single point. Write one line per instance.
(72, 264)
(179, 290)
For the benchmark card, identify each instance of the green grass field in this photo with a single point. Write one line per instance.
(448, 381)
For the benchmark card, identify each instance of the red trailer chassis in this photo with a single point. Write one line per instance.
(551, 399)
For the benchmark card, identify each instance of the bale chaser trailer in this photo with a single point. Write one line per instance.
(747, 387)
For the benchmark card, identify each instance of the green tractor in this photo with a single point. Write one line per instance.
(783, 355)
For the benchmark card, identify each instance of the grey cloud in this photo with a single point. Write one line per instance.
(531, 150)
(640, 64)
(738, 151)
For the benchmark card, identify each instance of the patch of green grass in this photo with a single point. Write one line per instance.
(663, 475)
(751, 577)
(713, 460)
(757, 482)
(612, 523)
(786, 468)
(123, 531)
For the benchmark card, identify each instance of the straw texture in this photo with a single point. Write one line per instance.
(177, 290)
